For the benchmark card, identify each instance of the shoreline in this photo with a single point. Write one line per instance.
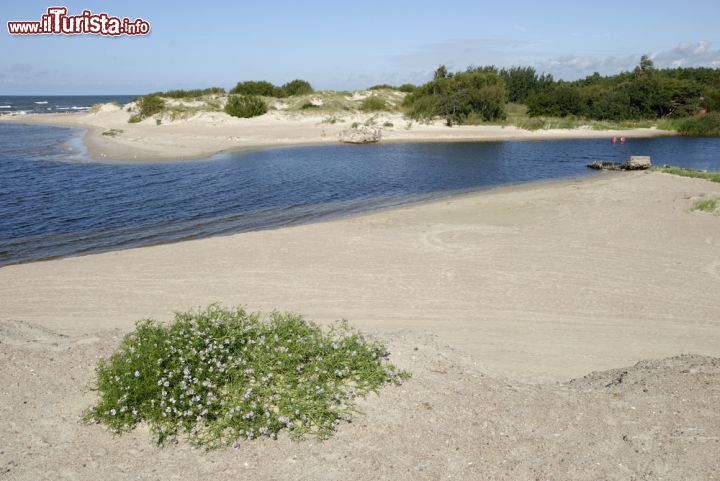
(205, 136)
(589, 178)
(461, 267)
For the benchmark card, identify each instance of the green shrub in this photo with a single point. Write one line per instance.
(706, 125)
(113, 132)
(220, 375)
(407, 88)
(382, 87)
(456, 96)
(296, 87)
(255, 87)
(148, 106)
(245, 106)
(531, 124)
(189, 94)
(373, 104)
(711, 99)
(267, 89)
(308, 106)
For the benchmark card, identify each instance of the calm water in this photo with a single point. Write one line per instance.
(53, 203)
(40, 104)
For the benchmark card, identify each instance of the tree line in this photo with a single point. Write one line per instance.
(643, 93)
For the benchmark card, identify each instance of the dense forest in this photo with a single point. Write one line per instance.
(481, 94)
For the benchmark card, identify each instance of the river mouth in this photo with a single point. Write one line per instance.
(52, 208)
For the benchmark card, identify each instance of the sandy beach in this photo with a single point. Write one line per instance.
(208, 133)
(494, 300)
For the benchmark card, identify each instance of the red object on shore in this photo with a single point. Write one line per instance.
(613, 140)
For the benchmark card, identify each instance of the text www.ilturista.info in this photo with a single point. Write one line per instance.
(57, 22)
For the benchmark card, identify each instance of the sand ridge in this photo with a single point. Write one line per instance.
(208, 133)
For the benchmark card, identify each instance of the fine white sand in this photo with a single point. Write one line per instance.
(537, 282)
(207, 133)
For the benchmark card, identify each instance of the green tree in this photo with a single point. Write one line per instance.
(441, 72)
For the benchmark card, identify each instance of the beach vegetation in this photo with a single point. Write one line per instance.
(220, 376)
(388, 124)
(643, 93)
(441, 72)
(476, 94)
(147, 106)
(191, 94)
(255, 87)
(264, 88)
(700, 125)
(693, 173)
(245, 106)
(523, 82)
(407, 88)
(711, 204)
(373, 104)
(383, 87)
(296, 87)
(309, 106)
(113, 132)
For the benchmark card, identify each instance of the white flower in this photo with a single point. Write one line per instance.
(137, 373)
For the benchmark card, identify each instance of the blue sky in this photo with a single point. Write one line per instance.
(338, 45)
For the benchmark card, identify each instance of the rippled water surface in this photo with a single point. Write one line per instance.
(54, 204)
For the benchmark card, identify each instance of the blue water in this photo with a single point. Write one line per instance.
(39, 104)
(54, 203)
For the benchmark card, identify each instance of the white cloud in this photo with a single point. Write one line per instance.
(698, 54)
(459, 53)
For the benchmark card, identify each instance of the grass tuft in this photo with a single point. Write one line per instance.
(707, 125)
(113, 132)
(373, 104)
(707, 205)
(221, 375)
(697, 174)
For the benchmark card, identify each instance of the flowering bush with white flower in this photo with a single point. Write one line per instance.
(222, 375)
